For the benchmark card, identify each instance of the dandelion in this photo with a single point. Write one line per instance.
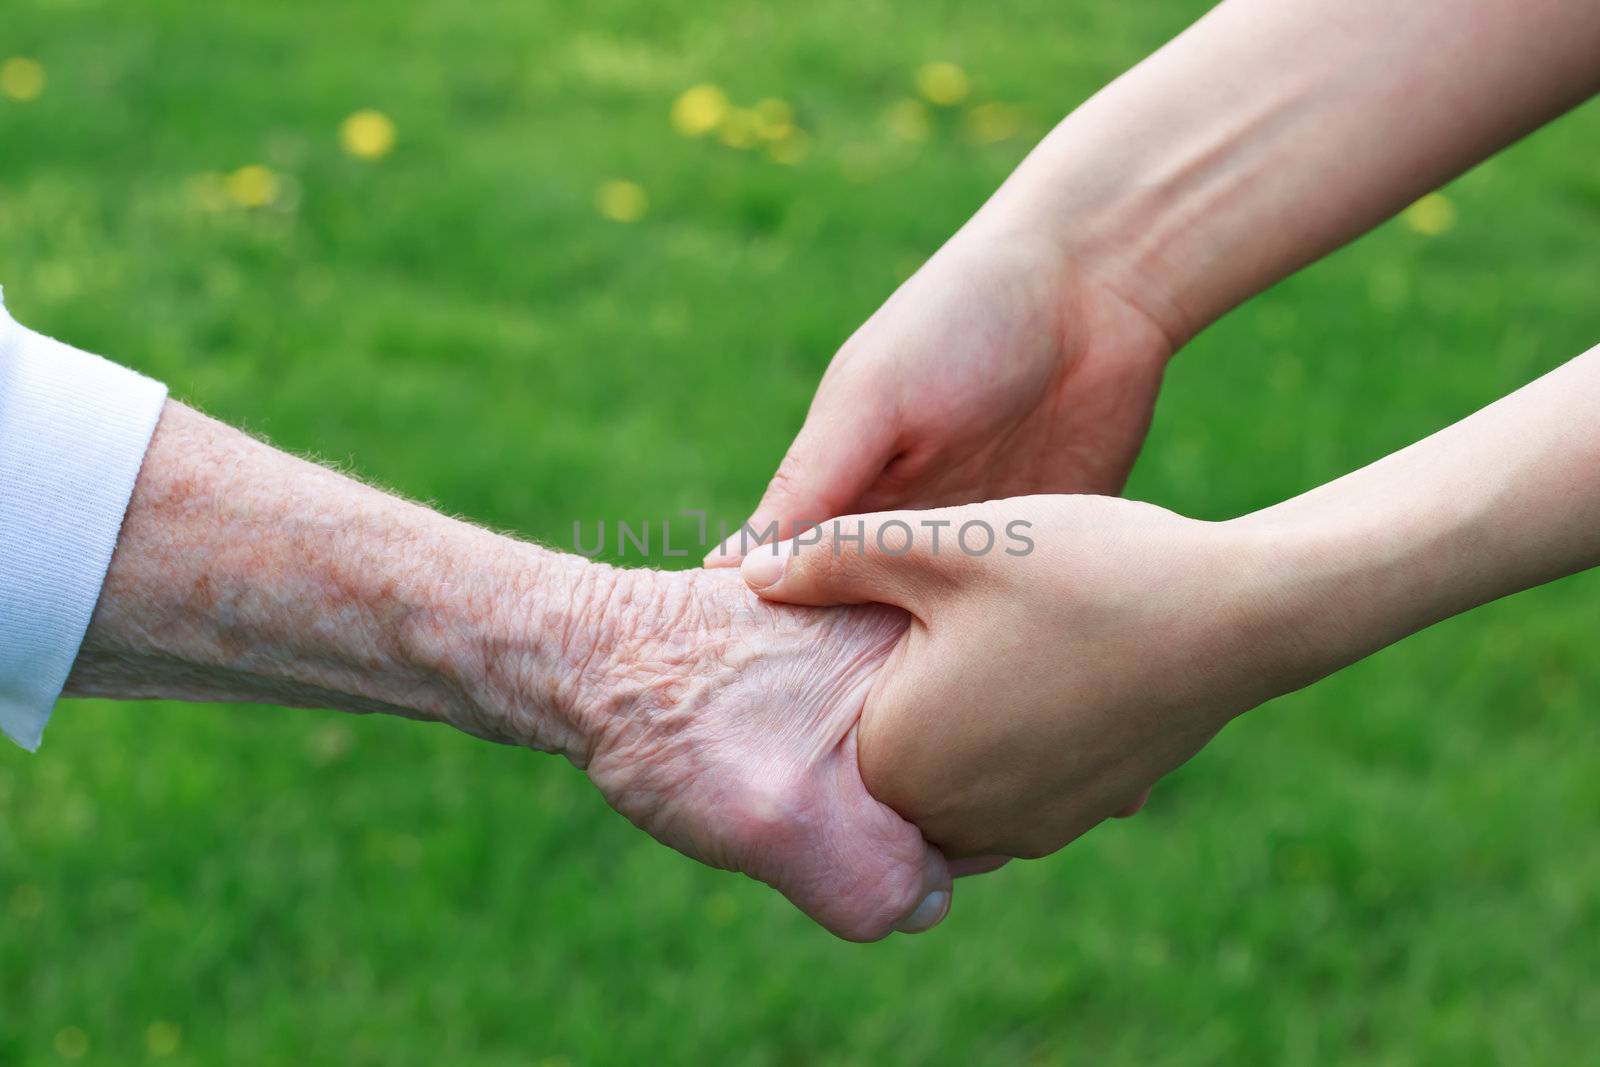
(774, 119)
(1430, 216)
(26, 901)
(208, 192)
(741, 129)
(908, 120)
(22, 78)
(163, 1038)
(699, 110)
(792, 150)
(942, 83)
(252, 186)
(330, 744)
(621, 201)
(367, 134)
(991, 123)
(72, 1043)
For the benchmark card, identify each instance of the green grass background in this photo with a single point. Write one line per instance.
(1399, 866)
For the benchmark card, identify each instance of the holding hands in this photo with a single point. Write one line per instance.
(1035, 694)
(857, 716)
(726, 727)
(1038, 691)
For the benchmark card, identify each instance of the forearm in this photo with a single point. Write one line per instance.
(245, 574)
(1273, 131)
(1502, 501)
(714, 722)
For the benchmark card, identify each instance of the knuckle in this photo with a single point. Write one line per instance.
(902, 891)
(788, 481)
(813, 562)
(769, 816)
(863, 929)
(874, 908)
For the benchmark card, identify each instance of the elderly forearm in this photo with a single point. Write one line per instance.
(1273, 131)
(1502, 501)
(245, 574)
(723, 727)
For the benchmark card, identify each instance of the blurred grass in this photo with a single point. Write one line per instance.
(1398, 866)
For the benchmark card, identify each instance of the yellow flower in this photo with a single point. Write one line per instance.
(21, 78)
(792, 150)
(72, 1043)
(163, 1038)
(989, 123)
(621, 201)
(908, 120)
(774, 119)
(208, 192)
(367, 134)
(942, 83)
(741, 129)
(26, 901)
(699, 110)
(1430, 216)
(253, 186)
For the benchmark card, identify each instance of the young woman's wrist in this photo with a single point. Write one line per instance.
(1353, 570)
(1077, 197)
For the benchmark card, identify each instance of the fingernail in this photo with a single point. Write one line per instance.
(929, 913)
(763, 567)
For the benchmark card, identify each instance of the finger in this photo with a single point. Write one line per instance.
(966, 868)
(1133, 809)
(858, 559)
(834, 459)
(864, 872)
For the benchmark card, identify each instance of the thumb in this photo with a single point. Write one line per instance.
(836, 457)
(862, 871)
(855, 560)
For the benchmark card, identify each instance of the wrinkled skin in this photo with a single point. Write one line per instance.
(726, 728)
(997, 370)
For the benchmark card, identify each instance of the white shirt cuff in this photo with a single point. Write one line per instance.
(73, 433)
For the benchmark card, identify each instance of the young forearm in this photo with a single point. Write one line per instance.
(1273, 131)
(245, 574)
(1502, 501)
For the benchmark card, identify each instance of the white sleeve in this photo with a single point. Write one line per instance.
(73, 433)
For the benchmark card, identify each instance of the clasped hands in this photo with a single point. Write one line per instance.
(1002, 703)
(858, 719)
(866, 715)
(861, 712)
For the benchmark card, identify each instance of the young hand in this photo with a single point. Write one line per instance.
(998, 369)
(1037, 693)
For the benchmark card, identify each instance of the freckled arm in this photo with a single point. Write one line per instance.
(712, 721)
(246, 574)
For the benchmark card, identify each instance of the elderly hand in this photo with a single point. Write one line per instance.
(726, 728)
(723, 725)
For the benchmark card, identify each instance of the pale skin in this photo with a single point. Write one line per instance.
(1024, 358)
(1026, 355)
(1035, 695)
(722, 725)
